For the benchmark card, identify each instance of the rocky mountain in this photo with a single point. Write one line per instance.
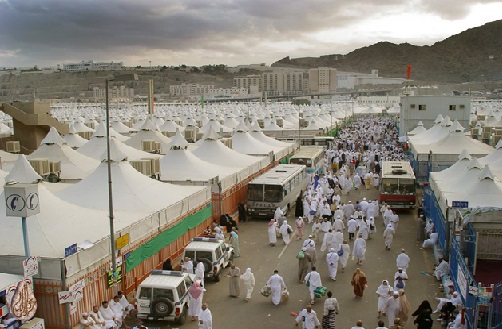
(472, 55)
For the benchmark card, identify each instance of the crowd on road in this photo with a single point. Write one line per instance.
(331, 232)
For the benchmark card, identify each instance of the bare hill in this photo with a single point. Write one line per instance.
(460, 58)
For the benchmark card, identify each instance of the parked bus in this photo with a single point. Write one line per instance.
(278, 187)
(397, 185)
(325, 141)
(310, 156)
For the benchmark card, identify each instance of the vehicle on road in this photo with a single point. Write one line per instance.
(278, 187)
(310, 156)
(398, 185)
(213, 253)
(164, 296)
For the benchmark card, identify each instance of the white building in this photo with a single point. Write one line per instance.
(192, 89)
(386, 101)
(251, 82)
(114, 92)
(427, 109)
(286, 82)
(92, 66)
(228, 92)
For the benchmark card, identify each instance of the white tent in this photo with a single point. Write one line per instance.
(95, 147)
(417, 130)
(74, 165)
(73, 139)
(244, 143)
(181, 166)
(132, 191)
(149, 131)
(213, 151)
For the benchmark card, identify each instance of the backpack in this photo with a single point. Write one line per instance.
(301, 255)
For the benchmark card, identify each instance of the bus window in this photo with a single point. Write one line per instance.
(255, 192)
(273, 193)
(407, 186)
(390, 186)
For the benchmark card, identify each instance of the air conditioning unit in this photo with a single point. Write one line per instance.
(148, 145)
(128, 124)
(55, 167)
(214, 180)
(143, 166)
(85, 134)
(227, 142)
(13, 147)
(41, 166)
(155, 165)
(190, 135)
(156, 147)
(91, 125)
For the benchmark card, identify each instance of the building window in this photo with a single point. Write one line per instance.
(422, 107)
(453, 107)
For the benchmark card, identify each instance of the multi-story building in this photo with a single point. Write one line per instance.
(189, 89)
(349, 80)
(228, 92)
(284, 82)
(252, 83)
(92, 66)
(114, 92)
(322, 80)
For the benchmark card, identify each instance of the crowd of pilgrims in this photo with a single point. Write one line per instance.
(353, 163)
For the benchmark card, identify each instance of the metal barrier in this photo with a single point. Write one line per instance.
(462, 278)
(497, 306)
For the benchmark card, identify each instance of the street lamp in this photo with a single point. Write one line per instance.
(124, 77)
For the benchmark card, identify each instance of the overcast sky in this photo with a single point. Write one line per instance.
(230, 32)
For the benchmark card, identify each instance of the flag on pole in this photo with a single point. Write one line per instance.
(408, 72)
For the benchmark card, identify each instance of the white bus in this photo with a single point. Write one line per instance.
(310, 156)
(278, 187)
(327, 142)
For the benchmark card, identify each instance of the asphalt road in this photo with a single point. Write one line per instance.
(380, 264)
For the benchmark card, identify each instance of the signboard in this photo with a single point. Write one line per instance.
(77, 291)
(485, 292)
(460, 204)
(73, 308)
(70, 250)
(122, 241)
(65, 297)
(462, 282)
(30, 266)
(21, 200)
(473, 290)
(110, 277)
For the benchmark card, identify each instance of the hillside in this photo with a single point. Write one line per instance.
(460, 58)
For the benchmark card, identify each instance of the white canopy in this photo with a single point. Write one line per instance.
(148, 131)
(73, 139)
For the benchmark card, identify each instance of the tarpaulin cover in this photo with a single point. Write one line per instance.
(153, 246)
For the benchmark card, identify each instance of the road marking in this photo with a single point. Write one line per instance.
(282, 252)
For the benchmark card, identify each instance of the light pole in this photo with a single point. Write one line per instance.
(125, 77)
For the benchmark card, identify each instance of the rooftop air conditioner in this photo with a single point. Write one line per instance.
(154, 164)
(143, 166)
(227, 142)
(90, 125)
(13, 147)
(148, 145)
(41, 166)
(86, 134)
(190, 135)
(55, 167)
(156, 147)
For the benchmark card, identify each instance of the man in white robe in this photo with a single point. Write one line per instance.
(430, 242)
(107, 314)
(388, 235)
(286, 231)
(99, 321)
(359, 249)
(308, 318)
(442, 269)
(187, 265)
(276, 284)
(364, 230)
(332, 262)
(400, 276)
(87, 322)
(123, 300)
(338, 224)
(200, 271)
(313, 280)
(345, 257)
(403, 260)
(272, 232)
(205, 318)
(328, 241)
(352, 228)
(338, 238)
(278, 213)
(114, 304)
(392, 307)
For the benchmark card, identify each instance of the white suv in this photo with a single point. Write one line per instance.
(213, 253)
(164, 296)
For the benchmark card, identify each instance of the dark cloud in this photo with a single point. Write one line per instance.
(53, 31)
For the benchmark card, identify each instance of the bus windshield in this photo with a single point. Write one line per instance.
(398, 186)
(255, 192)
(273, 193)
(302, 161)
